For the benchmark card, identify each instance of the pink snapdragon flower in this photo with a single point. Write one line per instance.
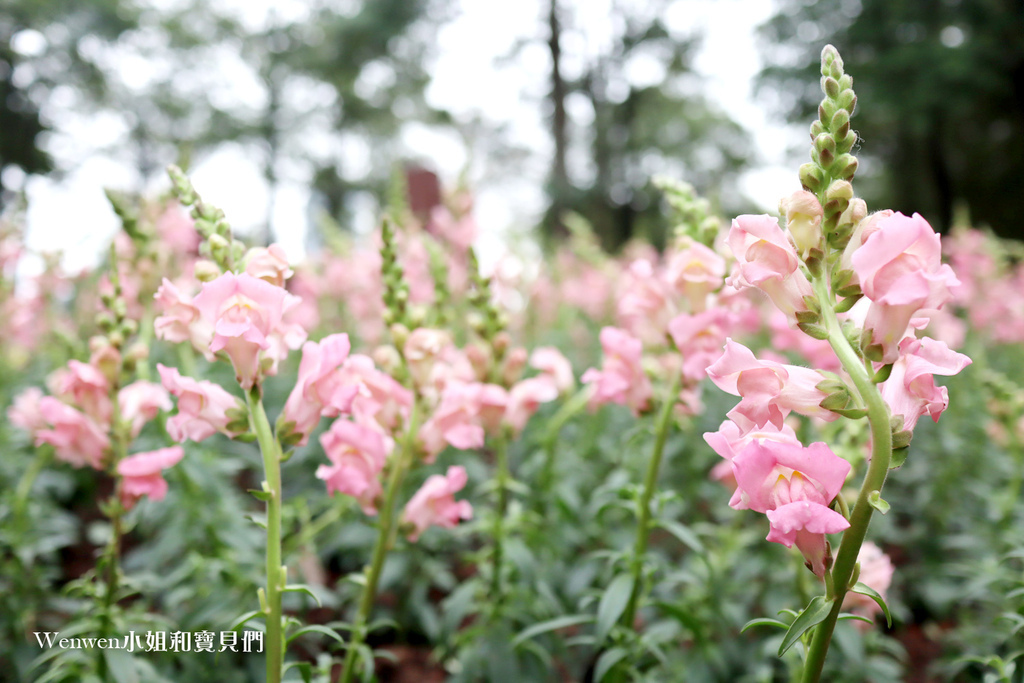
(910, 390)
(900, 271)
(699, 339)
(142, 474)
(525, 397)
(85, 387)
(551, 363)
(75, 437)
(766, 259)
(140, 402)
(202, 406)
(645, 305)
(621, 378)
(695, 271)
(380, 398)
(423, 349)
(876, 572)
(320, 389)
(435, 505)
(25, 413)
(244, 311)
(181, 320)
(459, 419)
(730, 440)
(794, 487)
(357, 453)
(269, 264)
(769, 390)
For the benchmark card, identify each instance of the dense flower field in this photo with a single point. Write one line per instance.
(724, 462)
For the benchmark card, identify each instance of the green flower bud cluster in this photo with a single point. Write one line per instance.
(485, 319)
(832, 165)
(396, 289)
(113, 318)
(690, 214)
(219, 245)
(442, 309)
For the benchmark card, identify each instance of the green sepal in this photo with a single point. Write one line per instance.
(876, 501)
(847, 303)
(882, 374)
(812, 330)
(899, 456)
(901, 439)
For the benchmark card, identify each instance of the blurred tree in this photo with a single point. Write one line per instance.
(648, 117)
(940, 89)
(42, 45)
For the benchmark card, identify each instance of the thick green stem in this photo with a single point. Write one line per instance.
(643, 507)
(501, 481)
(271, 451)
(386, 532)
(881, 454)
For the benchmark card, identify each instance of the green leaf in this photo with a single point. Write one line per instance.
(121, 665)
(685, 618)
(302, 588)
(846, 616)
(607, 660)
(867, 590)
(764, 622)
(613, 603)
(682, 532)
(815, 612)
(316, 628)
(241, 621)
(551, 625)
(876, 501)
(305, 670)
(261, 495)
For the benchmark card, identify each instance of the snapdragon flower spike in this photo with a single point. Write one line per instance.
(357, 453)
(435, 505)
(142, 474)
(769, 390)
(767, 260)
(244, 311)
(75, 437)
(85, 387)
(203, 407)
(900, 271)
(910, 390)
(621, 379)
(320, 390)
(793, 486)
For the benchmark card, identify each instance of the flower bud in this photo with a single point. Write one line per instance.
(803, 215)
(205, 271)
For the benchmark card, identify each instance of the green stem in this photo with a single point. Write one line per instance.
(43, 456)
(643, 508)
(501, 481)
(386, 533)
(569, 409)
(276, 574)
(881, 454)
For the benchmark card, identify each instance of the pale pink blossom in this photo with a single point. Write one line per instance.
(730, 440)
(910, 390)
(142, 474)
(876, 572)
(769, 390)
(695, 271)
(900, 271)
(550, 361)
(699, 339)
(525, 397)
(75, 437)
(645, 304)
(181, 320)
(864, 229)
(85, 387)
(202, 406)
(269, 264)
(380, 398)
(24, 413)
(459, 418)
(177, 230)
(766, 260)
(357, 453)
(423, 349)
(320, 389)
(244, 311)
(621, 378)
(794, 487)
(435, 505)
(140, 402)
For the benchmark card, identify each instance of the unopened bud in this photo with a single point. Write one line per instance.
(811, 177)
(386, 358)
(206, 271)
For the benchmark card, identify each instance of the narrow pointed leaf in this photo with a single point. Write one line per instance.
(867, 590)
(815, 613)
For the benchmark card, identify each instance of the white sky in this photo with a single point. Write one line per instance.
(72, 214)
